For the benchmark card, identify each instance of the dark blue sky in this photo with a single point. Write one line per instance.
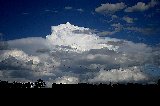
(34, 18)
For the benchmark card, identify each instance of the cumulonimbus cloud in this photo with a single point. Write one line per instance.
(72, 54)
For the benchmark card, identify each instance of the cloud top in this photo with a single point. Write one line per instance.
(77, 38)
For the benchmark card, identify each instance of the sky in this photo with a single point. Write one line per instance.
(134, 20)
(80, 41)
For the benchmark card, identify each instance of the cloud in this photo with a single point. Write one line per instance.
(117, 27)
(106, 33)
(25, 43)
(110, 8)
(72, 54)
(68, 8)
(70, 39)
(67, 80)
(80, 10)
(140, 6)
(128, 19)
(48, 10)
(131, 74)
(114, 16)
(145, 31)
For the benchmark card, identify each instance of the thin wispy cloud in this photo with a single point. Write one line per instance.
(80, 10)
(129, 19)
(68, 8)
(52, 11)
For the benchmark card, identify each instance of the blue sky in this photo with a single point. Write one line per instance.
(134, 20)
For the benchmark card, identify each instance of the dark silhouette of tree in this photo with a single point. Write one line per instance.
(39, 84)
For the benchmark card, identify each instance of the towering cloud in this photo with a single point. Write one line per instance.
(77, 38)
(73, 54)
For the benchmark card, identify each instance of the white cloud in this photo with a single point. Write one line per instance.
(140, 6)
(128, 19)
(65, 35)
(80, 10)
(25, 44)
(132, 74)
(66, 56)
(19, 55)
(68, 8)
(66, 80)
(110, 8)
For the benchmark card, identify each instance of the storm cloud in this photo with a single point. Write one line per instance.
(66, 56)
